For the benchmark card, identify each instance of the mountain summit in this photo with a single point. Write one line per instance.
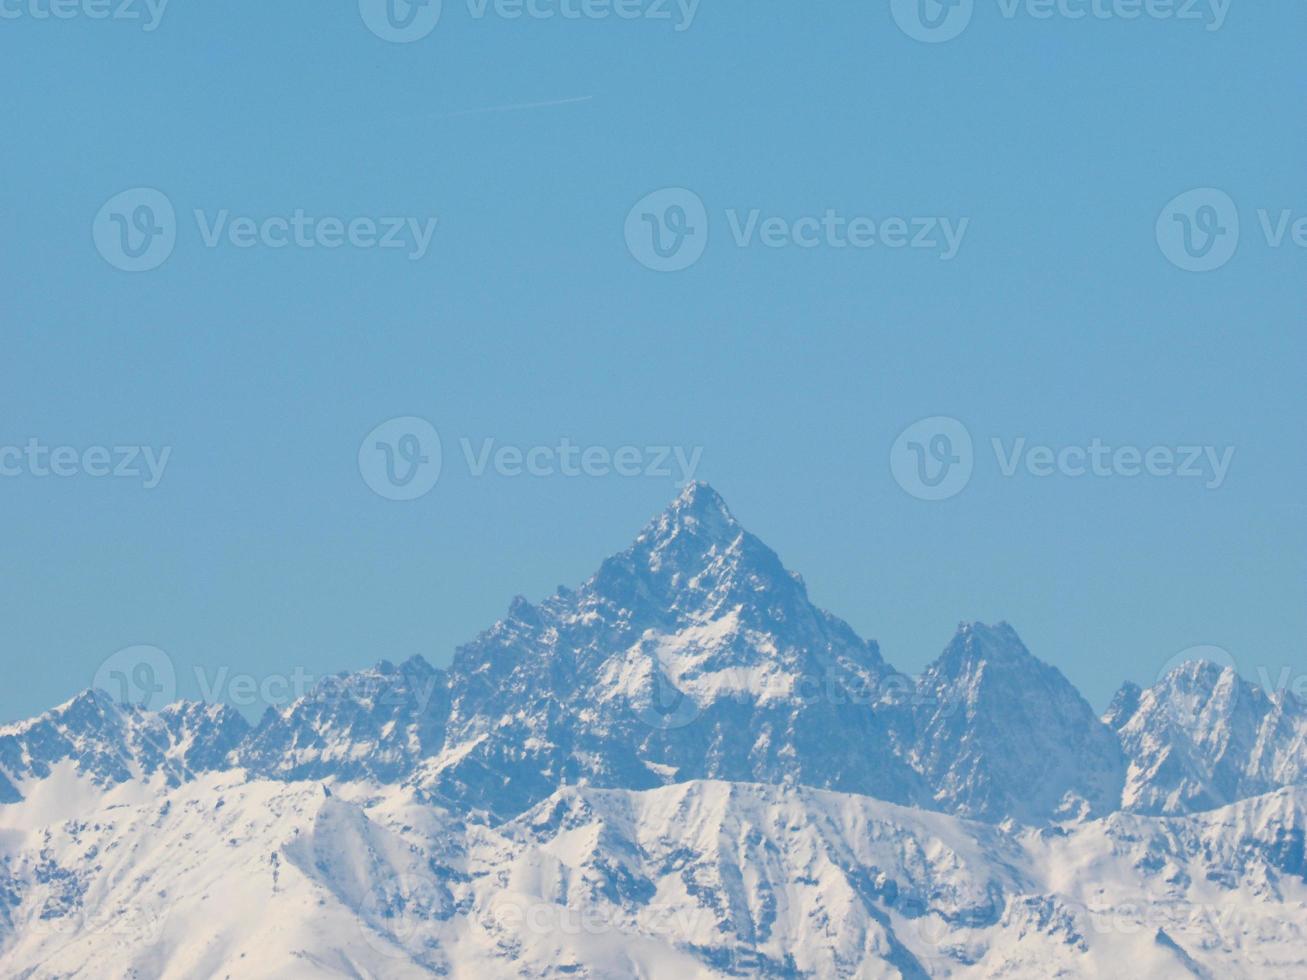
(1203, 737)
(694, 561)
(695, 654)
(1003, 734)
(680, 767)
(701, 509)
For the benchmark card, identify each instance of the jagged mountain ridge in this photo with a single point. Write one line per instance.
(695, 654)
(109, 742)
(370, 724)
(680, 768)
(692, 654)
(1203, 737)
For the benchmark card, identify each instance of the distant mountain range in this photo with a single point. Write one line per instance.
(729, 779)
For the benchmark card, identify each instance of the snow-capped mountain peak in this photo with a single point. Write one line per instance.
(698, 510)
(687, 750)
(694, 561)
(1202, 736)
(109, 743)
(693, 652)
(1001, 733)
(976, 644)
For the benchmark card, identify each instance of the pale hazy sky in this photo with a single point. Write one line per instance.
(527, 319)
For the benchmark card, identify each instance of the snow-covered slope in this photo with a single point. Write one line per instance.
(232, 877)
(681, 768)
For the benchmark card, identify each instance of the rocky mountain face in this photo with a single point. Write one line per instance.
(695, 654)
(680, 768)
(1203, 737)
(1003, 735)
(376, 724)
(109, 743)
(692, 654)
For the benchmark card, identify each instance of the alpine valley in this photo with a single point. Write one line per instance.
(682, 768)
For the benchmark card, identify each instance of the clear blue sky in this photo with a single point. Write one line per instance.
(1060, 320)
